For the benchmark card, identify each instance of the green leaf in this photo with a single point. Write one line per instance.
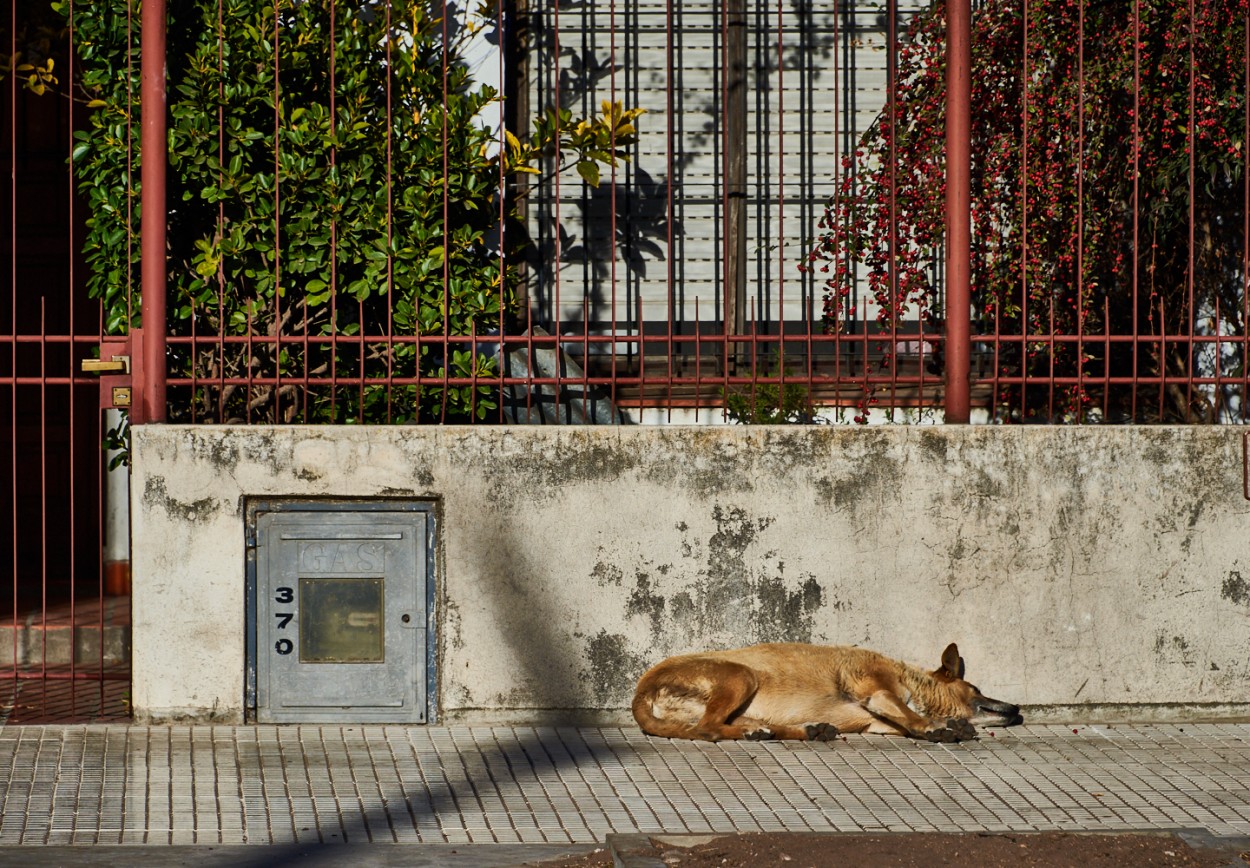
(589, 170)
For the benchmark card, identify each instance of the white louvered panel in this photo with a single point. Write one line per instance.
(795, 146)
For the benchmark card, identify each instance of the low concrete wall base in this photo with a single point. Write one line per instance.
(1088, 572)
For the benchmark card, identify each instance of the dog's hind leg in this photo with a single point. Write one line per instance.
(762, 730)
(732, 686)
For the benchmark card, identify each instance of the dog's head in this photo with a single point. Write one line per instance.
(978, 708)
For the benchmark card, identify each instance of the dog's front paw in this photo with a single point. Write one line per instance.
(761, 734)
(821, 732)
(956, 729)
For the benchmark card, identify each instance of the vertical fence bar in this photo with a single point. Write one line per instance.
(958, 204)
(892, 243)
(277, 216)
(1190, 323)
(841, 151)
(612, 252)
(1025, 328)
(43, 495)
(12, 86)
(220, 350)
(446, 335)
(506, 32)
(71, 349)
(152, 228)
(1079, 411)
(781, 207)
(670, 271)
(735, 97)
(557, 325)
(1136, 203)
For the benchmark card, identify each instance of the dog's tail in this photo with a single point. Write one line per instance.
(650, 685)
(697, 695)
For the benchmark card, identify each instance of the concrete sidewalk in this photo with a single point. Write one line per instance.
(562, 790)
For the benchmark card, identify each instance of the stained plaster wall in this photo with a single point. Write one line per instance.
(1086, 572)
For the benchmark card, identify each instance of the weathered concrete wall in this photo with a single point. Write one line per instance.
(1090, 571)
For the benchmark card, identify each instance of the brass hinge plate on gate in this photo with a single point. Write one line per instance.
(113, 366)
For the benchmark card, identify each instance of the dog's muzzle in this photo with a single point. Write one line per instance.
(991, 712)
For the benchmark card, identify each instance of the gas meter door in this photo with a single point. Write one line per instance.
(340, 617)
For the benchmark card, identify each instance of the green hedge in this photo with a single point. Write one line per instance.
(351, 219)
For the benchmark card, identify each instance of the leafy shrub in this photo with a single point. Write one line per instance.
(1108, 197)
(767, 403)
(317, 191)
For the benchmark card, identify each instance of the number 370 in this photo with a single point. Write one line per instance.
(284, 595)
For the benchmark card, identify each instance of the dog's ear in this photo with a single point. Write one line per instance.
(952, 663)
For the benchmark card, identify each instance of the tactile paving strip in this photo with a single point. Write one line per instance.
(117, 784)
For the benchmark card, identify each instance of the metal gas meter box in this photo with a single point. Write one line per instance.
(339, 603)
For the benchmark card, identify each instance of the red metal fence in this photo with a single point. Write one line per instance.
(823, 212)
(777, 223)
(772, 231)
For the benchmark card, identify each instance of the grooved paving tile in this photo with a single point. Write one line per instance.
(120, 784)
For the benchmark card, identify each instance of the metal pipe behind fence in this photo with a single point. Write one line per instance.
(958, 209)
(151, 349)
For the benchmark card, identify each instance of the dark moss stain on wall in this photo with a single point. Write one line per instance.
(1195, 512)
(728, 579)
(731, 592)
(1181, 649)
(1173, 649)
(223, 452)
(612, 669)
(644, 602)
(453, 634)
(877, 477)
(524, 470)
(596, 460)
(933, 444)
(156, 496)
(1235, 589)
(605, 574)
(782, 615)
(743, 595)
(683, 607)
(824, 490)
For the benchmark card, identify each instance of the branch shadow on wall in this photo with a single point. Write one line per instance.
(626, 227)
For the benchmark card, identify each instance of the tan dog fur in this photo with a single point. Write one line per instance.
(799, 691)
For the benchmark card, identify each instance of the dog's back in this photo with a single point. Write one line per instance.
(775, 685)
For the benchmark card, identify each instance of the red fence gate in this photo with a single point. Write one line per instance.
(64, 638)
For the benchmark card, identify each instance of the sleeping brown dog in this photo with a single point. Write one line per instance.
(798, 691)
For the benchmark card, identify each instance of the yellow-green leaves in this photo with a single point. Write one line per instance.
(587, 143)
(38, 78)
